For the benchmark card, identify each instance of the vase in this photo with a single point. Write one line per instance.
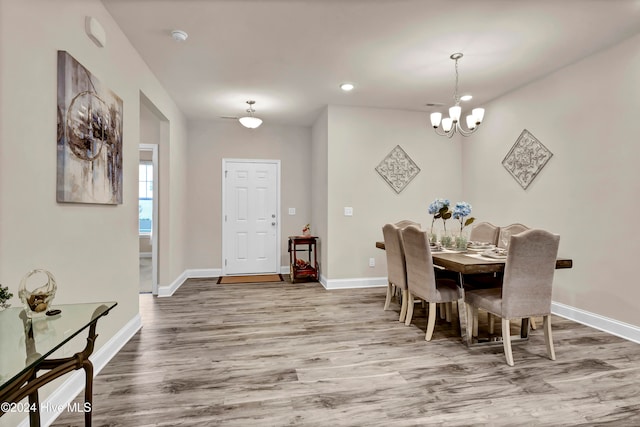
(461, 240)
(37, 302)
(446, 239)
(433, 236)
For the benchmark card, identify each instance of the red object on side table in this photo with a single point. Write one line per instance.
(301, 268)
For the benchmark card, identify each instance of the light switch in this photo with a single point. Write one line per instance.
(292, 211)
(348, 211)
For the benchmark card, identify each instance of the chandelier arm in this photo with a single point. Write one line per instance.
(465, 132)
(443, 133)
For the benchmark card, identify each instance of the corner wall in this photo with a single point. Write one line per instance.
(586, 114)
(358, 140)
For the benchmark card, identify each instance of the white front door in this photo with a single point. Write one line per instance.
(250, 237)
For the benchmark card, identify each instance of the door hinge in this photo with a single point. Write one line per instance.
(225, 262)
(225, 173)
(225, 218)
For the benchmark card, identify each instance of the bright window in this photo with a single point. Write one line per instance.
(145, 197)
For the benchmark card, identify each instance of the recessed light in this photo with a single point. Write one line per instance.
(347, 87)
(466, 98)
(179, 35)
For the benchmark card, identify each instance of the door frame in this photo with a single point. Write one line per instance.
(154, 223)
(225, 231)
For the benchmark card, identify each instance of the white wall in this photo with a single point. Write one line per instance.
(319, 189)
(209, 143)
(91, 249)
(586, 114)
(358, 140)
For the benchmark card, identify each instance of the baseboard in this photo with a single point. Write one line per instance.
(364, 282)
(605, 324)
(145, 254)
(74, 383)
(199, 273)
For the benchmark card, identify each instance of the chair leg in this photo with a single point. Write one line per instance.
(506, 341)
(389, 296)
(409, 309)
(403, 307)
(470, 310)
(548, 338)
(532, 322)
(431, 323)
(442, 311)
(475, 321)
(447, 311)
(492, 323)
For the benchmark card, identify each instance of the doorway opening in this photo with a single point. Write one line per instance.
(148, 217)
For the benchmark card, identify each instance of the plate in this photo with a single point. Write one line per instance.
(456, 251)
(495, 255)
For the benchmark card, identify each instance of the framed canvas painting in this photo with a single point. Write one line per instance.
(89, 140)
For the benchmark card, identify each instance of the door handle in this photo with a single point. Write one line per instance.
(273, 223)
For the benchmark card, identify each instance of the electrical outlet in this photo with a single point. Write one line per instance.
(348, 211)
(372, 262)
(292, 211)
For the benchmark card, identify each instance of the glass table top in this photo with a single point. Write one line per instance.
(25, 342)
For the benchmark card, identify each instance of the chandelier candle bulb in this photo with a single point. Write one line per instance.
(435, 119)
(471, 122)
(454, 113)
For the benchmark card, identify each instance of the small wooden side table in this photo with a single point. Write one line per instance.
(301, 268)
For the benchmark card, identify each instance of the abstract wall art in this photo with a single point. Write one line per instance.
(89, 139)
(397, 169)
(526, 158)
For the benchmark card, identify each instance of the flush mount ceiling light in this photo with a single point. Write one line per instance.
(347, 87)
(179, 35)
(250, 121)
(451, 124)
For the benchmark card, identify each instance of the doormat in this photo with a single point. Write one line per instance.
(260, 278)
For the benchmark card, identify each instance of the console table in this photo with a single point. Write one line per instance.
(27, 345)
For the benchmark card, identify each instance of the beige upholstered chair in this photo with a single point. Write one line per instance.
(526, 287)
(512, 229)
(421, 279)
(396, 267)
(484, 232)
(406, 222)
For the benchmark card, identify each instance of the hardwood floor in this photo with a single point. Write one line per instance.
(278, 354)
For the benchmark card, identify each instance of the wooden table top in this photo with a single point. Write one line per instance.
(461, 263)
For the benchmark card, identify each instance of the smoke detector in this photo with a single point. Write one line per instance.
(179, 35)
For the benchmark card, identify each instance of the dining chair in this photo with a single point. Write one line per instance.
(526, 287)
(406, 222)
(421, 279)
(396, 266)
(507, 231)
(484, 232)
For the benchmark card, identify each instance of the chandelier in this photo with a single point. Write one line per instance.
(451, 124)
(250, 121)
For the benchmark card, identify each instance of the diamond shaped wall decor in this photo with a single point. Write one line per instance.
(397, 169)
(526, 158)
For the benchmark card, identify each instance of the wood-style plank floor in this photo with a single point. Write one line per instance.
(278, 354)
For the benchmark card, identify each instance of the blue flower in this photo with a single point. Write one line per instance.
(461, 210)
(438, 204)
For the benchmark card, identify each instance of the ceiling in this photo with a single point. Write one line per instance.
(290, 56)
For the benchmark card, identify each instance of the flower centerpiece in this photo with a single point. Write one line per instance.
(460, 212)
(306, 230)
(439, 208)
(5, 296)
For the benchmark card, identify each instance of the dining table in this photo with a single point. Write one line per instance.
(470, 262)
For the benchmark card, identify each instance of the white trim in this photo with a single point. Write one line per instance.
(199, 273)
(363, 282)
(145, 254)
(605, 324)
(278, 202)
(74, 383)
